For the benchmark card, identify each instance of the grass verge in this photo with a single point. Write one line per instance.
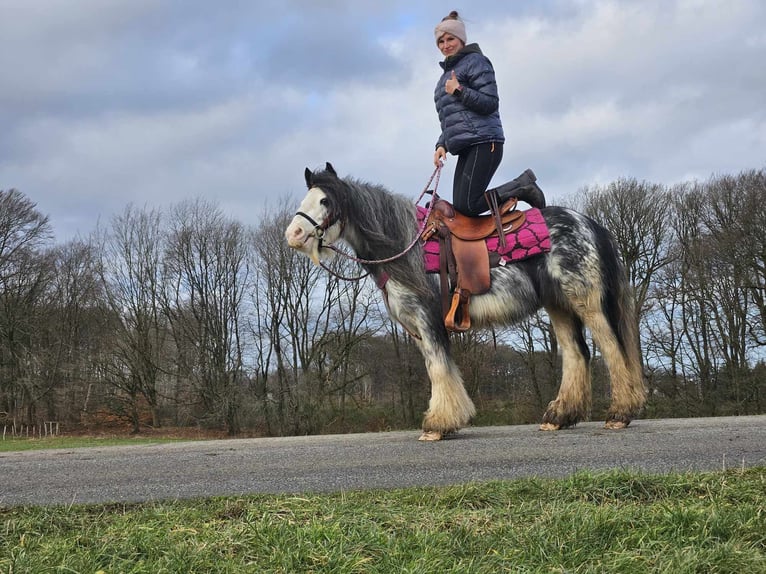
(19, 444)
(591, 522)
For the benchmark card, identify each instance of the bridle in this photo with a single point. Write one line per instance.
(319, 230)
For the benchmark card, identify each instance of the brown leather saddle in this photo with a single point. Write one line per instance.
(464, 258)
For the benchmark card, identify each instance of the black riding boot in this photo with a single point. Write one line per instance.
(523, 187)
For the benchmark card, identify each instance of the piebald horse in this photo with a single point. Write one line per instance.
(581, 283)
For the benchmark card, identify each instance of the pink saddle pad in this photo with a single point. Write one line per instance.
(532, 238)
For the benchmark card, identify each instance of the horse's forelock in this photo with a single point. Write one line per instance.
(335, 192)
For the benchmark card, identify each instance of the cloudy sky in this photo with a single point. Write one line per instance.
(104, 103)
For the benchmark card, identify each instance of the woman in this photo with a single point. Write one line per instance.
(467, 103)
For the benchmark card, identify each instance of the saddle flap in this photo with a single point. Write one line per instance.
(472, 260)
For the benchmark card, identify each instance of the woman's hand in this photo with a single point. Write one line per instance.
(451, 84)
(440, 155)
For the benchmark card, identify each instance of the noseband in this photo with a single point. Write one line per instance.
(318, 232)
(319, 229)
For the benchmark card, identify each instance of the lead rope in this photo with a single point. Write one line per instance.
(435, 179)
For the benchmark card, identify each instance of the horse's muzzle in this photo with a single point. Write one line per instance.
(296, 236)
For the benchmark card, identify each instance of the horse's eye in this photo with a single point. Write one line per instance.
(323, 202)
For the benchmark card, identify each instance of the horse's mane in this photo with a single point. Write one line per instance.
(378, 224)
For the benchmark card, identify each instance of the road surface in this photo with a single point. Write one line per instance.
(374, 460)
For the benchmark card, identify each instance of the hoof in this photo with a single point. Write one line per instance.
(615, 424)
(560, 416)
(430, 436)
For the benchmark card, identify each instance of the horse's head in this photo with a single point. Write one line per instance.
(318, 219)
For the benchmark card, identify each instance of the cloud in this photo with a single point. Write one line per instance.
(619, 87)
(106, 103)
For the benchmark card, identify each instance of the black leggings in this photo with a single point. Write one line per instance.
(475, 167)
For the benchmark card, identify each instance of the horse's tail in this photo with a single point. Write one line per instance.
(620, 310)
(626, 320)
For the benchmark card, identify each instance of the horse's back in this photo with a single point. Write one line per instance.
(577, 241)
(570, 275)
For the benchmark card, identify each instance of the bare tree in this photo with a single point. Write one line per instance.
(24, 272)
(534, 348)
(238, 331)
(310, 326)
(23, 229)
(208, 266)
(664, 341)
(353, 319)
(400, 378)
(638, 215)
(75, 329)
(282, 302)
(753, 233)
(701, 353)
(734, 220)
(133, 277)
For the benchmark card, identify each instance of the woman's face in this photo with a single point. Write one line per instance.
(449, 44)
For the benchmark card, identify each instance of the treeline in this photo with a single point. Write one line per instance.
(186, 317)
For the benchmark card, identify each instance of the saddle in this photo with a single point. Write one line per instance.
(464, 258)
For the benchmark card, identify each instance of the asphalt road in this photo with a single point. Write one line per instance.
(376, 460)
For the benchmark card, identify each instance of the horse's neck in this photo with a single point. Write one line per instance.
(365, 237)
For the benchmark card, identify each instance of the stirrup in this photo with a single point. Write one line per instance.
(458, 318)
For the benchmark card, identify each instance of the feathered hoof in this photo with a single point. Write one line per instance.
(616, 424)
(557, 417)
(431, 436)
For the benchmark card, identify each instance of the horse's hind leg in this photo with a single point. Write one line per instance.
(450, 407)
(625, 373)
(572, 404)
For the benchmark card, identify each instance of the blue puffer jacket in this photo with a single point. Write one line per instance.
(473, 117)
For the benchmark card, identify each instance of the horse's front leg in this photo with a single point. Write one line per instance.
(450, 407)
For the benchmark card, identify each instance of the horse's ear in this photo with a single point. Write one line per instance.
(328, 166)
(308, 175)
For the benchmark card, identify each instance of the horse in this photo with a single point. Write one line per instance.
(581, 283)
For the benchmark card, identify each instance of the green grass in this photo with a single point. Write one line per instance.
(603, 522)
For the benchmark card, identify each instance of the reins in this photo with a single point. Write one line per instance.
(435, 179)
